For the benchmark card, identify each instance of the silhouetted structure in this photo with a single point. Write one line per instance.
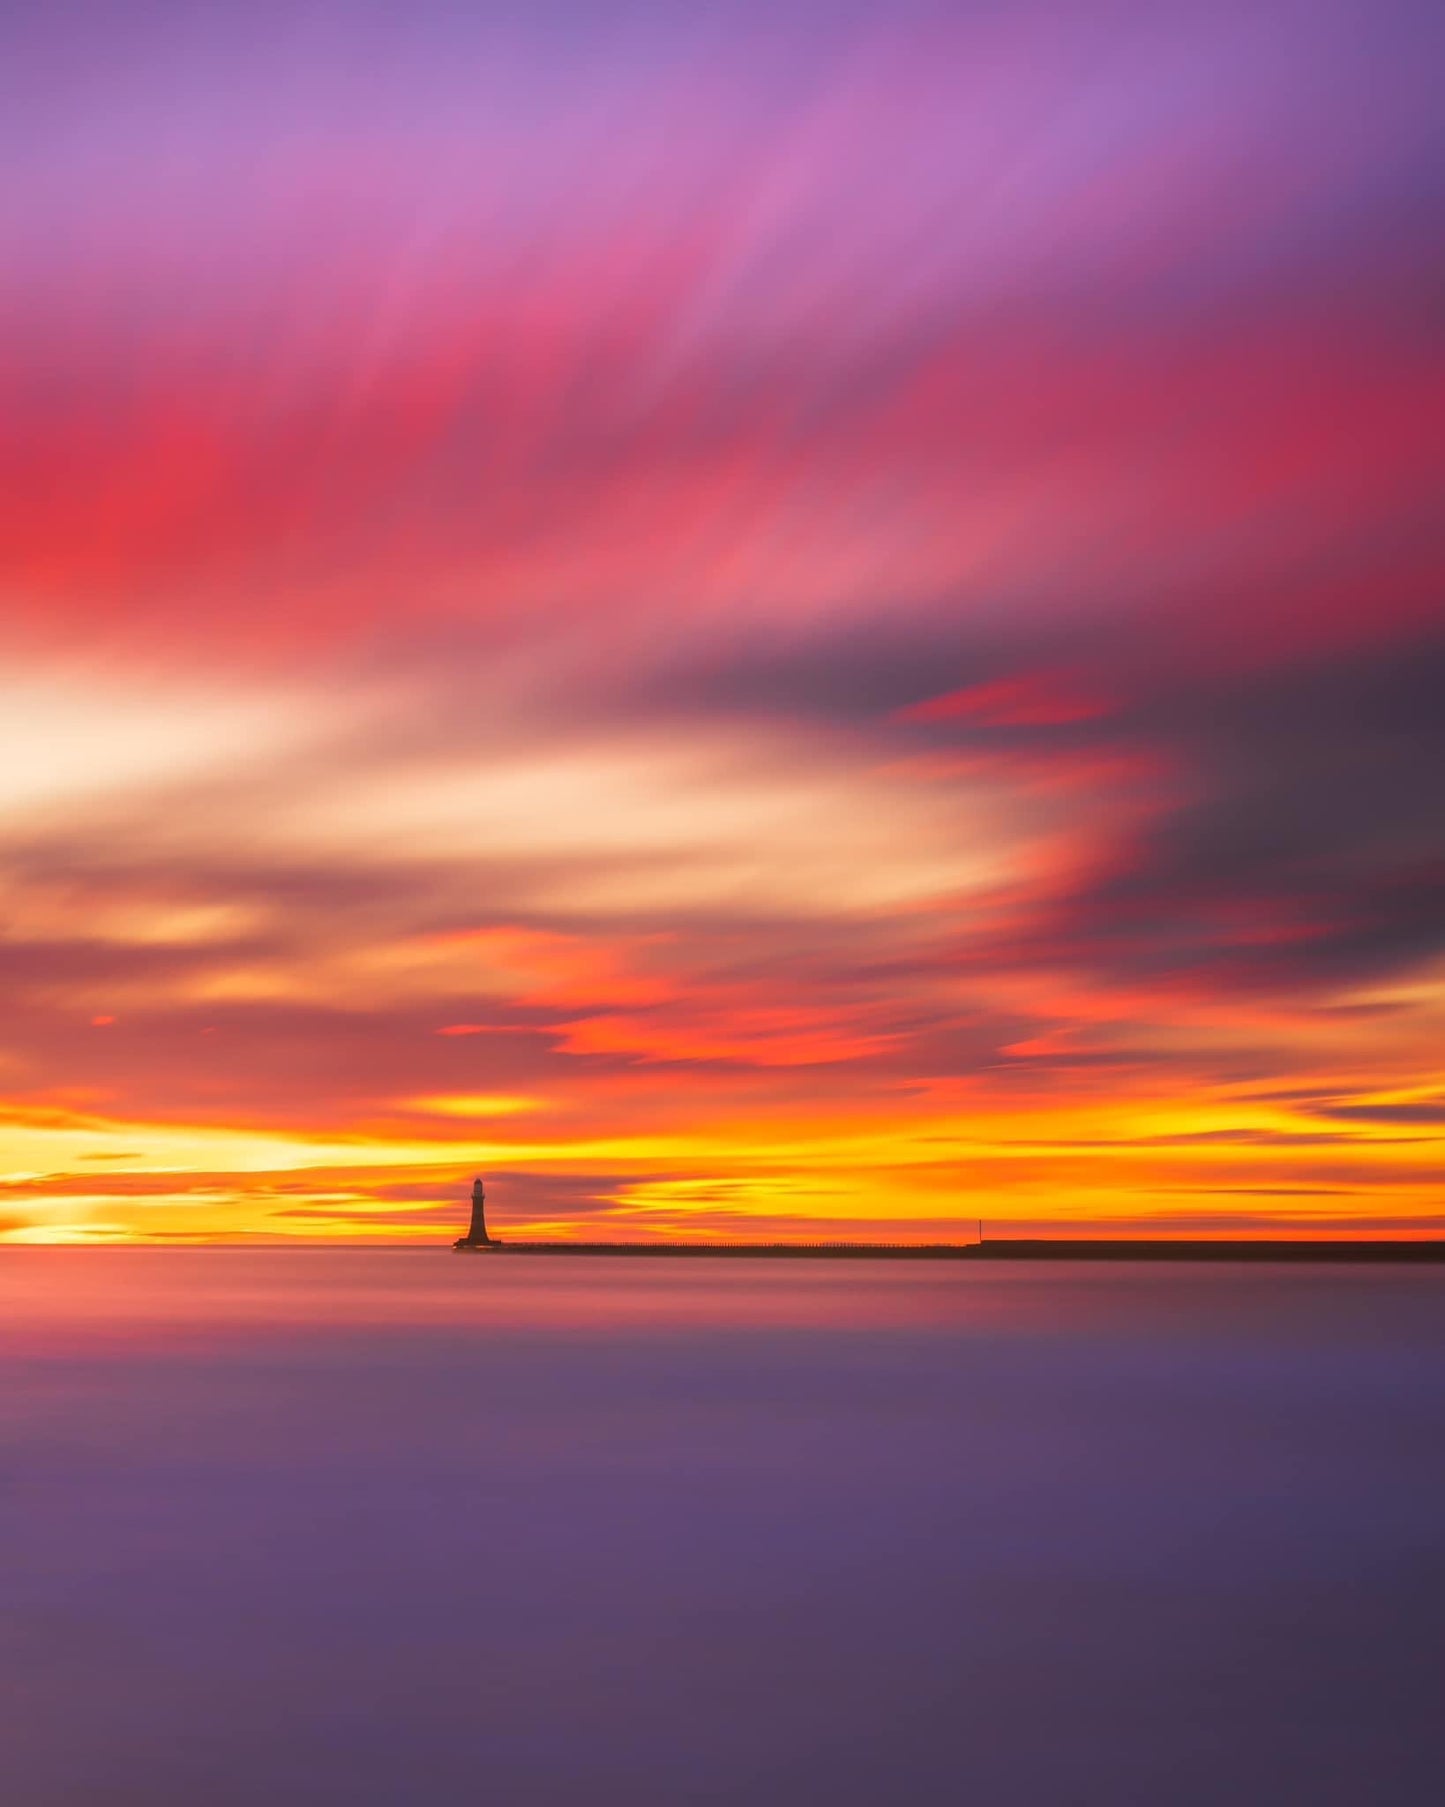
(1044, 1248)
(476, 1236)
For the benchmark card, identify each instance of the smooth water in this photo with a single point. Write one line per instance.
(338, 1526)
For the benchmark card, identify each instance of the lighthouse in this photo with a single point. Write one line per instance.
(476, 1236)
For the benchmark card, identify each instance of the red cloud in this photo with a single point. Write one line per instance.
(1035, 700)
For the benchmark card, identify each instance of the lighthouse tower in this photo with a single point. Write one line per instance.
(476, 1236)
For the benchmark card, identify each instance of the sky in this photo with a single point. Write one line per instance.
(766, 621)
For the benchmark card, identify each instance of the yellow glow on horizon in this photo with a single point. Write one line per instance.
(79, 1175)
(473, 1104)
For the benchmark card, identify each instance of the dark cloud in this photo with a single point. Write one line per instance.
(1424, 1113)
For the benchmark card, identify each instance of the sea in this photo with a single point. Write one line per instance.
(339, 1525)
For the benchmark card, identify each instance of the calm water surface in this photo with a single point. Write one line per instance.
(398, 1527)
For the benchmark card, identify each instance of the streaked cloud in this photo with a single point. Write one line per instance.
(798, 615)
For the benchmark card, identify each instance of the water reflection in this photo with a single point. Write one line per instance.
(373, 1526)
(209, 1293)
